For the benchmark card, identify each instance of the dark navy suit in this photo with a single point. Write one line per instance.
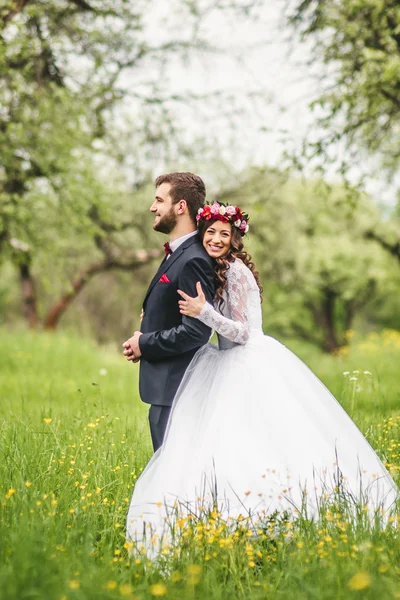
(169, 340)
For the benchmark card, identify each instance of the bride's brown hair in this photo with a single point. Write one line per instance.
(236, 251)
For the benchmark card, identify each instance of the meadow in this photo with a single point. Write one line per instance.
(73, 440)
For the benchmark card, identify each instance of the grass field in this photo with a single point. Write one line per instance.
(74, 438)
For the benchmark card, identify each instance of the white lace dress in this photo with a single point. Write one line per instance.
(254, 430)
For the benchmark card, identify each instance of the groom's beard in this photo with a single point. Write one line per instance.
(167, 223)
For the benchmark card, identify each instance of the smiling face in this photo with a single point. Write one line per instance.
(217, 239)
(164, 210)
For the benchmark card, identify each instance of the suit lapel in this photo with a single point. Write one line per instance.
(167, 264)
(156, 277)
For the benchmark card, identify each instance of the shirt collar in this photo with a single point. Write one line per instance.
(176, 243)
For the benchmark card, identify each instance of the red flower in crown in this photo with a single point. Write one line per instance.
(227, 213)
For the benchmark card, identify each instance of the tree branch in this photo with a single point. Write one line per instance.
(17, 8)
(393, 249)
(139, 258)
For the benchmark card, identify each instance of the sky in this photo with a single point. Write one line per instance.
(256, 56)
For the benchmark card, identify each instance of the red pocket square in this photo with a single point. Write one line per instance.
(164, 279)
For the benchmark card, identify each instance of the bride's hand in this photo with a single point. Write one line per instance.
(191, 307)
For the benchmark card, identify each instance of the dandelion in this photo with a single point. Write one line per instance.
(194, 569)
(360, 581)
(383, 568)
(74, 584)
(125, 589)
(111, 585)
(48, 420)
(158, 589)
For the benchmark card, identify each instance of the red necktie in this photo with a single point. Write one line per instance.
(167, 249)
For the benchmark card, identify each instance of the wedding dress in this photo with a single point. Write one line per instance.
(252, 431)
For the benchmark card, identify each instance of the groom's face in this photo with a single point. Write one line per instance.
(164, 210)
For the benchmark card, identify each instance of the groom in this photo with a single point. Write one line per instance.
(167, 340)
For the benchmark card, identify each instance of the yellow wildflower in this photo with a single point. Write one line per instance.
(194, 569)
(10, 492)
(158, 589)
(125, 589)
(47, 421)
(360, 581)
(74, 584)
(111, 585)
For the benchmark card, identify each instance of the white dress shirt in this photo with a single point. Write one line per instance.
(176, 243)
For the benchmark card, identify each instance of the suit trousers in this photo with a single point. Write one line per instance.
(158, 419)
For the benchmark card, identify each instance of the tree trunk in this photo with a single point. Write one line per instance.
(28, 294)
(324, 317)
(349, 309)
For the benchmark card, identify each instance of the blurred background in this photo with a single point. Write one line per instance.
(289, 108)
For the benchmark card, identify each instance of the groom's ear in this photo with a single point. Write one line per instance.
(182, 206)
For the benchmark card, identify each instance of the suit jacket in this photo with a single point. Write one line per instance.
(169, 340)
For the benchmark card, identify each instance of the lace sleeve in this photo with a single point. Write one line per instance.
(236, 329)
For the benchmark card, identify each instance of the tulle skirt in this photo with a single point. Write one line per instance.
(253, 431)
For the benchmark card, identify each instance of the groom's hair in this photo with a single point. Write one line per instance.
(185, 186)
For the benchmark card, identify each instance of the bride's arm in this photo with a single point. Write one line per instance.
(234, 330)
(237, 328)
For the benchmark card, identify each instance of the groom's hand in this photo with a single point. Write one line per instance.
(131, 347)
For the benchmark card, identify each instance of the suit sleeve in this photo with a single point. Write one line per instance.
(191, 333)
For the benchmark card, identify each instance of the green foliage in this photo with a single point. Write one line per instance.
(51, 112)
(359, 42)
(73, 440)
(309, 242)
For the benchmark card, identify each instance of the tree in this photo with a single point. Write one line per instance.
(318, 268)
(359, 44)
(62, 67)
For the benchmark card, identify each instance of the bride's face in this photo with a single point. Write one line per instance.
(217, 239)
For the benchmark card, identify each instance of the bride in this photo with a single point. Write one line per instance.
(252, 430)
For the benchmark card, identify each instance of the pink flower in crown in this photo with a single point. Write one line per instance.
(214, 209)
(230, 211)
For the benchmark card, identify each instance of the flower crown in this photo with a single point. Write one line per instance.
(225, 213)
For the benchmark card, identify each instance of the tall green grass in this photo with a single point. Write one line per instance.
(73, 440)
